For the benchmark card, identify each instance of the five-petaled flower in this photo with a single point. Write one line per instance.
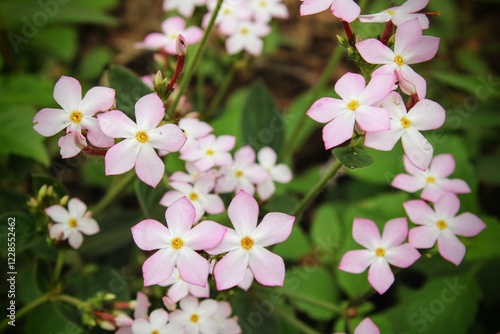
(401, 14)
(196, 317)
(346, 10)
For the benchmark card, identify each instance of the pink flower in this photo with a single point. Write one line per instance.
(346, 10)
(71, 223)
(380, 252)
(124, 322)
(367, 326)
(177, 244)
(401, 14)
(180, 289)
(230, 14)
(76, 115)
(265, 10)
(211, 151)
(184, 7)
(425, 115)
(247, 36)
(141, 140)
(172, 28)
(245, 245)
(194, 130)
(355, 105)
(157, 323)
(196, 317)
(433, 180)
(280, 173)
(243, 174)
(198, 194)
(410, 47)
(443, 225)
(225, 323)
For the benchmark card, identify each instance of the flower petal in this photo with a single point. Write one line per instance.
(309, 7)
(442, 165)
(377, 89)
(365, 232)
(384, 140)
(267, 157)
(75, 239)
(350, 86)
(158, 318)
(408, 183)
(366, 327)
(402, 256)
(356, 261)
(97, 99)
(326, 109)
(180, 217)
(447, 206)
(420, 212)
(372, 119)
(467, 225)
(395, 232)
(417, 148)
(49, 122)
(380, 276)
(58, 214)
(374, 52)
(423, 236)
(68, 93)
(149, 112)
(339, 130)
(205, 235)
(159, 266)
(116, 124)
(231, 269)
(450, 248)
(267, 267)
(168, 137)
(427, 115)
(347, 10)
(148, 166)
(150, 234)
(274, 228)
(243, 212)
(88, 226)
(193, 268)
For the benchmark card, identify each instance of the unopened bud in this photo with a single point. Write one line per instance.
(341, 39)
(180, 45)
(63, 201)
(42, 192)
(32, 203)
(50, 190)
(107, 325)
(109, 296)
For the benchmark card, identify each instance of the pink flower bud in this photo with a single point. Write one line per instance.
(180, 45)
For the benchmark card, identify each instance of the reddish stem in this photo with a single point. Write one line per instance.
(105, 316)
(433, 13)
(388, 31)
(178, 70)
(349, 32)
(121, 305)
(412, 101)
(94, 151)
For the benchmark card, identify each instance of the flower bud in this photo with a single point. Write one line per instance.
(63, 201)
(180, 45)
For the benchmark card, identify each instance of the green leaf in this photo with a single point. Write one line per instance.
(22, 233)
(313, 282)
(129, 89)
(26, 89)
(487, 169)
(485, 245)
(254, 315)
(232, 114)
(326, 232)
(46, 319)
(352, 157)
(302, 183)
(469, 83)
(59, 42)
(262, 123)
(38, 180)
(295, 247)
(17, 135)
(94, 62)
(149, 200)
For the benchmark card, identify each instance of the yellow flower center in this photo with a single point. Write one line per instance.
(262, 3)
(441, 224)
(177, 243)
(193, 196)
(76, 117)
(209, 152)
(142, 137)
(72, 222)
(194, 318)
(353, 105)
(431, 179)
(155, 332)
(380, 252)
(391, 12)
(238, 173)
(226, 11)
(405, 122)
(244, 31)
(247, 243)
(399, 60)
(173, 36)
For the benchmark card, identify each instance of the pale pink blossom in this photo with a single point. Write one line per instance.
(199, 194)
(177, 244)
(265, 10)
(425, 115)
(179, 288)
(380, 251)
(140, 140)
(230, 14)
(196, 317)
(442, 225)
(367, 326)
(167, 41)
(434, 180)
(346, 10)
(157, 323)
(401, 14)
(124, 322)
(225, 323)
(194, 130)
(75, 116)
(245, 245)
(247, 36)
(410, 47)
(280, 173)
(184, 7)
(71, 223)
(356, 105)
(212, 151)
(242, 174)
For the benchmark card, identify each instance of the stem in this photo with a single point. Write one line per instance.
(68, 299)
(32, 305)
(192, 64)
(317, 90)
(221, 91)
(316, 190)
(113, 192)
(312, 301)
(348, 32)
(294, 321)
(59, 265)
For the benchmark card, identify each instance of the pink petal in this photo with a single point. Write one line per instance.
(58, 214)
(214, 204)
(281, 173)
(168, 137)
(456, 186)
(71, 144)
(148, 166)
(413, 6)
(193, 35)
(402, 256)
(408, 183)
(407, 35)
(170, 197)
(411, 82)
(88, 226)
(198, 291)
(350, 86)
(423, 236)
(153, 41)
(246, 283)
(339, 130)
(420, 212)
(467, 225)
(231, 269)
(384, 140)
(274, 228)
(204, 164)
(418, 150)
(267, 268)
(356, 261)
(95, 135)
(178, 291)
(116, 124)
(326, 109)
(121, 157)
(222, 159)
(75, 239)
(442, 165)
(158, 318)
(231, 241)
(150, 234)
(193, 268)
(97, 99)
(401, 18)
(450, 248)
(159, 266)
(377, 89)
(427, 115)
(395, 232)
(410, 168)
(372, 119)
(140, 326)
(59, 231)
(366, 327)
(423, 50)
(224, 143)
(432, 193)
(380, 276)
(346, 10)
(49, 122)
(180, 216)
(205, 235)
(374, 52)
(245, 155)
(267, 157)
(68, 93)
(365, 232)
(234, 44)
(149, 112)
(141, 306)
(309, 7)
(243, 212)
(447, 206)
(266, 189)
(175, 23)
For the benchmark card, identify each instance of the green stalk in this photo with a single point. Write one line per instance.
(294, 321)
(312, 301)
(194, 61)
(69, 300)
(27, 308)
(113, 192)
(59, 265)
(221, 91)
